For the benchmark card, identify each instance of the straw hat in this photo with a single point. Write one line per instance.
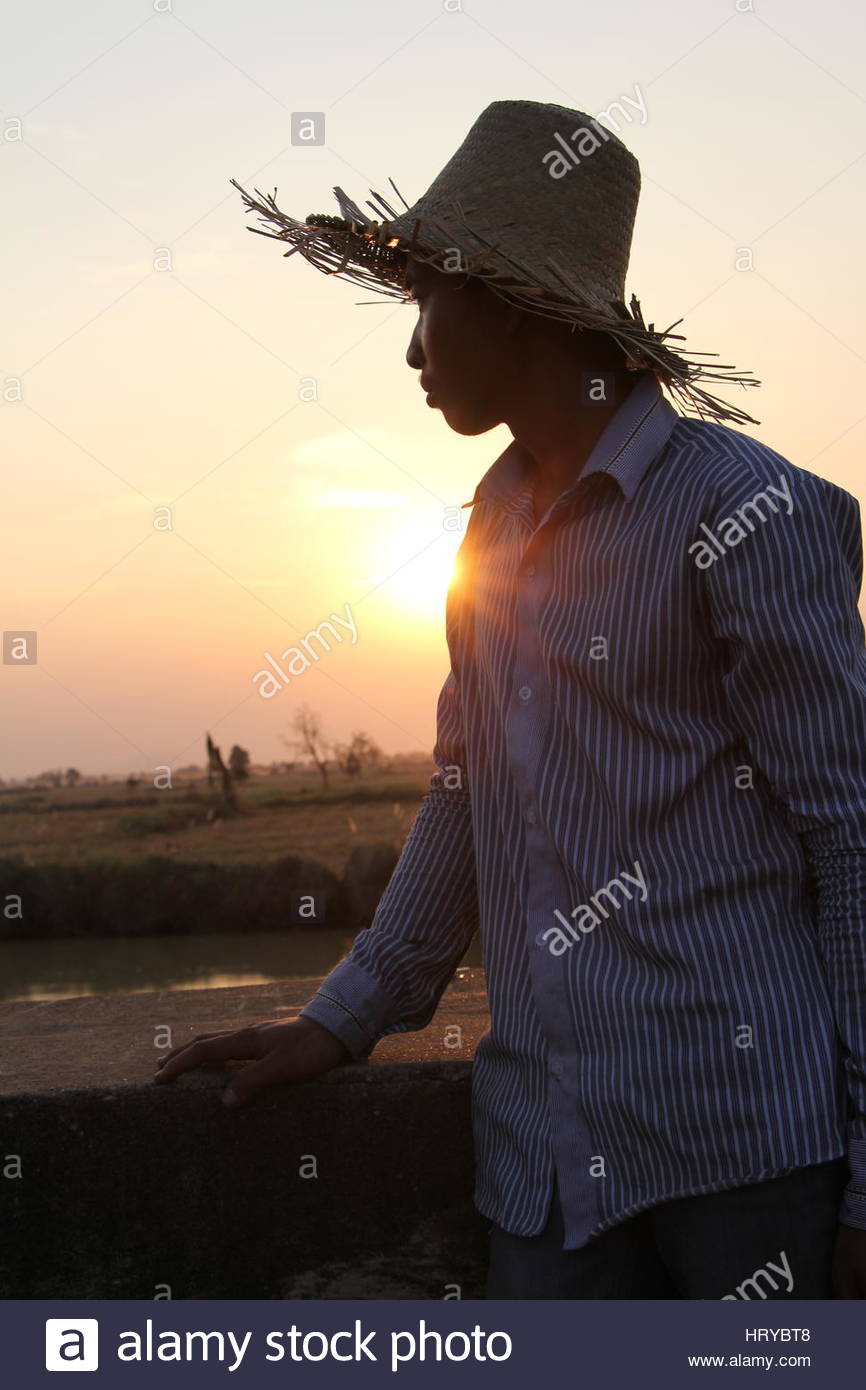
(539, 201)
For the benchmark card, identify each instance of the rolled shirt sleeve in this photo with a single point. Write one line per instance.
(785, 599)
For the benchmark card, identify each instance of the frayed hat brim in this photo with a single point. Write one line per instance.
(372, 252)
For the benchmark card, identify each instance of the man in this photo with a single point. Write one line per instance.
(651, 796)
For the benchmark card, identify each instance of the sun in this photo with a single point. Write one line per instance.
(415, 568)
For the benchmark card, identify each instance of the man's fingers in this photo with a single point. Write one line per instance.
(181, 1047)
(220, 1033)
(281, 1051)
(220, 1047)
(274, 1068)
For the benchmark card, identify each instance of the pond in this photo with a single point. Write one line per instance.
(73, 966)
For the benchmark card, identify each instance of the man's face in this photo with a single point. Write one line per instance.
(461, 347)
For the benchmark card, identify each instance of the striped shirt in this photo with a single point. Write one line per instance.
(651, 803)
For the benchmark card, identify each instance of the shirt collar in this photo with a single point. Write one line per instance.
(633, 437)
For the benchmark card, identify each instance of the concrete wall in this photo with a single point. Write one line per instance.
(130, 1190)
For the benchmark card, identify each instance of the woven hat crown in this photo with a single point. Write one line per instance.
(520, 170)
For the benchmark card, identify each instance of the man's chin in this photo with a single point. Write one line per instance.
(463, 422)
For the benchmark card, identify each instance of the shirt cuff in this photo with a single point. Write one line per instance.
(352, 1004)
(857, 1161)
(852, 1211)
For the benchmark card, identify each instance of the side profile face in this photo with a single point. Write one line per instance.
(463, 346)
(481, 358)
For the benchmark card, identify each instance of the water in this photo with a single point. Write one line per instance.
(68, 968)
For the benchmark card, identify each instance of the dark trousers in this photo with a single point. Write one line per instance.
(771, 1239)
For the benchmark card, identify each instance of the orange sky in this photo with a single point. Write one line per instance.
(150, 380)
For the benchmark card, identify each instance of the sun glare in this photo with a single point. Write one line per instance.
(414, 571)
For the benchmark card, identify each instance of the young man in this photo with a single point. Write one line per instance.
(651, 796)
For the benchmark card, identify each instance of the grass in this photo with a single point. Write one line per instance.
(108, 859)
(288, 814)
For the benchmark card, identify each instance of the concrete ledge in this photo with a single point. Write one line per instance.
(105, 1039)
(356, 1185)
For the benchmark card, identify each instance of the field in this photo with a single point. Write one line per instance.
(109, 859)
(286, 814)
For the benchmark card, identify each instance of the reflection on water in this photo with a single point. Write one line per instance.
(68, 968)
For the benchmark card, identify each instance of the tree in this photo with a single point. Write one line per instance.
(239, 763)
(310, 740)
(347, 759)
(359, 753)
(217, 768)
(73, 777)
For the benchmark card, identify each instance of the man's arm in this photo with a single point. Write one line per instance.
(393, 977)
(785, 598)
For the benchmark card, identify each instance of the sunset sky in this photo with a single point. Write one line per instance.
(146, 387)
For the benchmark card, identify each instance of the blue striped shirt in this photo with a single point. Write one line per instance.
(651, 802)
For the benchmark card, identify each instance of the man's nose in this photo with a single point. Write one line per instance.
(414, 355)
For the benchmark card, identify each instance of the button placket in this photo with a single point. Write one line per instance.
(545, 878)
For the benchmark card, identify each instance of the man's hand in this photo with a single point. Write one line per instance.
(295, 1050)
(849, 1263)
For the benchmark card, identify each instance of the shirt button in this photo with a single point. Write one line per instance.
(524, 693)
(531, 817)
(557, 1068)
(529, 572)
